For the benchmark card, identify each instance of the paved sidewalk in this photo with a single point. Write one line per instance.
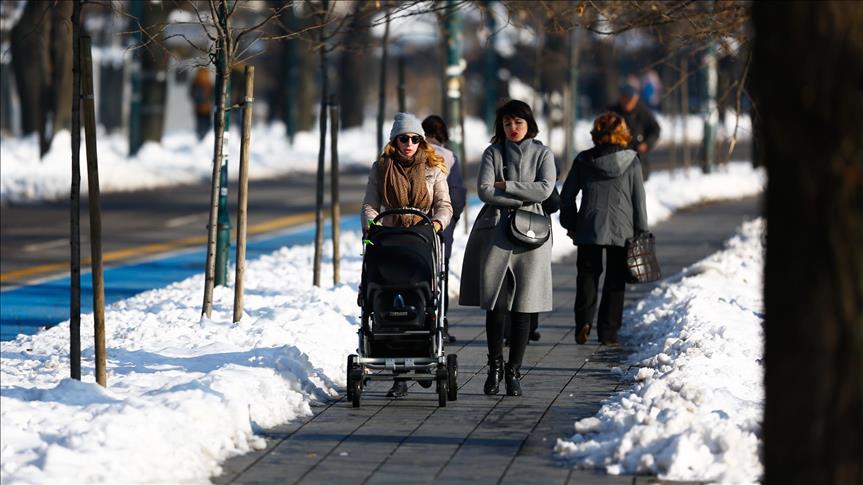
(481, 439)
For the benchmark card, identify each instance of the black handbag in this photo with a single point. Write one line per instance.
(641, 263)
(527, 229)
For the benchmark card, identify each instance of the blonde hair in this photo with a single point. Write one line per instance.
(610, 129)
(431, 157)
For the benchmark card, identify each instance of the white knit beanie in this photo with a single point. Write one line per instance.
(406, 123)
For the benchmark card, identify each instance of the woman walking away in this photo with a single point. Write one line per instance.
(612, 211)
(503, 277)
(437, 135)
(407, 174)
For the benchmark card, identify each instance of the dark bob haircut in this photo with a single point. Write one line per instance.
(435, 126)
(514, 109)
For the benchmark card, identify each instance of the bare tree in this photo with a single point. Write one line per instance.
(229, 48)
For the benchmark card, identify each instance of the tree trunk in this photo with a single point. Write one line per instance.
(61, 68)
(319, 198)
(382, 87)
(810, 127)
(221, 91)
(352, 68)
(306, 80)
(31, 63)
(154, 86)
(75, 203)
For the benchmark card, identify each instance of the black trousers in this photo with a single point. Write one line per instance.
(202, 125)
(645, 166)
(613, 290)
(519, 332)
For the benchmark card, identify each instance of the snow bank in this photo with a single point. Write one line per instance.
(184, 393)
(695, 407)
(182, 159)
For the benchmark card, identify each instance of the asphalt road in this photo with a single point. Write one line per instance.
(34, 238)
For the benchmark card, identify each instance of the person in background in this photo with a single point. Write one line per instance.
(437, 136)
(612, 211)
(409, 173)
(201, 92)
(504, 278)
(643, 128)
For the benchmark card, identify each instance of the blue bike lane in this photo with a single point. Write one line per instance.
(27, 309)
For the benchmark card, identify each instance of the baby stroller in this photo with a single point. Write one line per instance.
(402, 293)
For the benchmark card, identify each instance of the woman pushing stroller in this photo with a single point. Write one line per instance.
(407, 174)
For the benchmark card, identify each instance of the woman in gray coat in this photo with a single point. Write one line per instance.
(499, 276)
(612, 211)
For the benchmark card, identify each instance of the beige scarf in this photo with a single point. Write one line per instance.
(403, 184)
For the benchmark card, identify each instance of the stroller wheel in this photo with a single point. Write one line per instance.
(452, 377)
(356, 392)
(441, 391)
(351, 362)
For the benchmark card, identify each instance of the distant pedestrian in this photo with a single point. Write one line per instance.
(201, 92)
(503, 277)
(642, 125)
(612, 210)
(437, 135)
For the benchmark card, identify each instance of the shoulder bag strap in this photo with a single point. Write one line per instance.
(503, 159)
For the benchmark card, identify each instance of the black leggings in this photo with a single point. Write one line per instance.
(518, 334)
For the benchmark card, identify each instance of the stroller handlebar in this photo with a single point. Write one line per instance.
(404, 210)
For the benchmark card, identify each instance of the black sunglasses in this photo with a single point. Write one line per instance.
(416, 139)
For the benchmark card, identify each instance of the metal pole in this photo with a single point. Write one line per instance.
(571, 104)
(75, 203)
(711, 114)
(136, 11)
(95, 204)
(463, 155)
(454, 70)
(382, 86)
(334, 187)
(401, 90)
(223, 237)
(292, 77)
(243, 194)
(684, 111)
(490, 70)
(319, 201)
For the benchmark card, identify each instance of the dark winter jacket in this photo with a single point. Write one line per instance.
(612, 201)
(641, 123)
(457, 191)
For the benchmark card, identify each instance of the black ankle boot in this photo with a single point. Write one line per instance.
(513, 374)
(399, 389)
(495, 374)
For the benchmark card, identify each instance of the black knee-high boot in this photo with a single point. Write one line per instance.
(519, 334)
(494, 322)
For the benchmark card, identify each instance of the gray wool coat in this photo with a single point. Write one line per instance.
(495, 271)
(613, 205)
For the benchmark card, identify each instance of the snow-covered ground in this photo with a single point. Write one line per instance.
(181, 158)
(185, 393)
(693, 411)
